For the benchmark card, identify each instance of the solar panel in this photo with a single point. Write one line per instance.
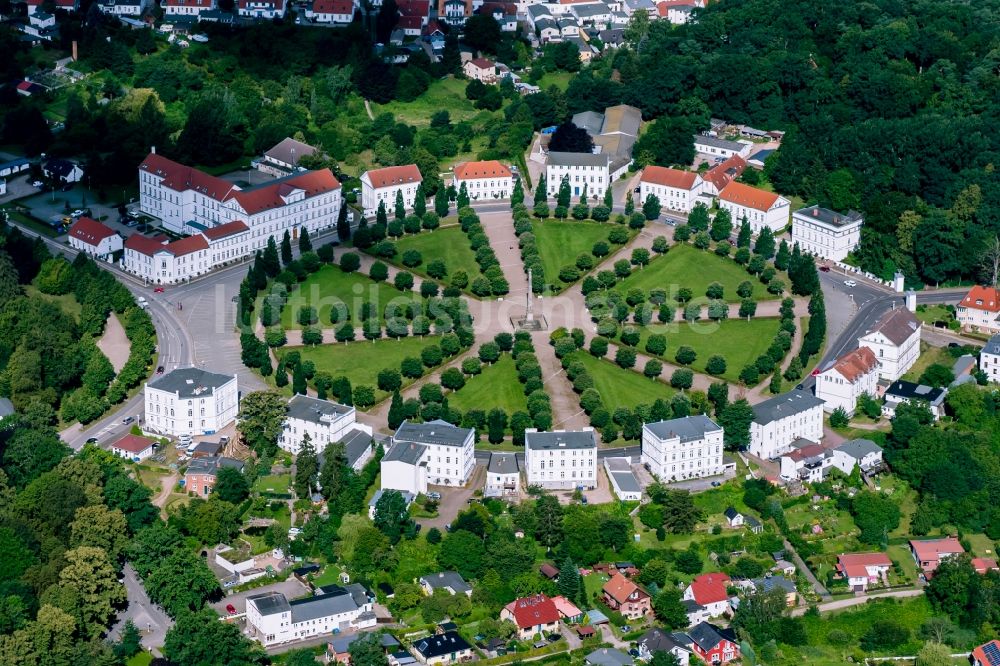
(992, 652)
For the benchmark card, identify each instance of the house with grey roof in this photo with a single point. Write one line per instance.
(989, 359)
(608, 657)
(581, 170)
(561, 459)
(721, 149)
(503, 475)
(901, 391)
(658, 640)
(449, 581)
(623, 481)
(863, 453)
(408, 497)
(324, 422)
(614, 133)
(895, 341)
(283, 159)
(448, 456)
(685, 448)
(190, 401)
(779, 421)
(273, 619)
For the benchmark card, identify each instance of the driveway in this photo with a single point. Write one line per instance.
(454, 500)
(148, 618)
(291, 588)
(857, 601)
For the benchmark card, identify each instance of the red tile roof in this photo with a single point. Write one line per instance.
(410, 22)
(273, 195)
(144, 245)
(658, 175)
(853, 564)
(620, 588)
(566, 608)
(223, 230)
(203, 4)
(396, 175)
(984, 564)
(710, 588)
(855, 364)
(421, 8)
(483, 63)
(751, 197)
(532, 611)
(184, 246)
(806, 452)
(432, 27)
(982, 298)
(333, 7)
(179, 177)
(931, 550)
(487, 169)
(662, 8)
(986, 654)
(133, 443)
(725, 173)
(90, 231)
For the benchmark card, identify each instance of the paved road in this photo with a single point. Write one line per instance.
(857, 601)
(806, 571)
(148, 618)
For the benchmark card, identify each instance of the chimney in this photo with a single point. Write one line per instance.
(152, 149)
(815, 212)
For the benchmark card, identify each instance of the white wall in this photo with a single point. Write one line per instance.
(561, 468)
(825, 241)
(835, 391)
(486, 188)
(893, 361)
(673, 460)
(200, 415)
(774, 438)
(398, 475)
(596, 178)
(775, 218)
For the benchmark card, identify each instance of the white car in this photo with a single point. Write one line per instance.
(850, 283)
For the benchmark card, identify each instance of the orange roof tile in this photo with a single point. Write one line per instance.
(751, 197)
(984, 564)
(710, 588)
(723, 174)
(930, 550)
(982, 298)
(487, 169)
(620, 588)
(853, 564)
(657, 175)
(187, 245)
(855, 364)
(333, 6)
(133, 443)
(396, 175)
(223, 230)
(273, 195)
(90, 231)
(144, 245)
(180, 178)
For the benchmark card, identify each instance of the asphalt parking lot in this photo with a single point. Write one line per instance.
(291, 588)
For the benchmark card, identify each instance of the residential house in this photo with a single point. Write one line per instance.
(547, 29)
(733, 517)
(987, 654)
(14, 167)
(623, 481)
(336, 12)
(484, 180)
(895, 340)
(62, 171)
(806, 462)
(964, 368)
(325, 423)
(710, 590)
(504, 13)
(450, 450)
(503, 477)
(133, 447)
(532, 615)
(455, 12)
(754, 525)
(481, 69)
(928, 553)
(29, 88)
(677, 12)
(979, 310)
(677, 190)
(714, 644)
(123, 7)
(261, 9)
(719, 176)
(624, 596)
(381, 186)
(695, 612)
(161, 261)
(568, 28)
(562, 459)
(404, 468)
(989, 359)
(589, 170)
(42, 25)
(657, 640)
(768, 583)
(908, 392)
(338, 650)
(984, 564)
(174, 9)
(779, 421)
(283, 158)
(272, 619)
(201, 473)
(683, 448)
(208, 449)
(567, 610)
(630, 7)
(721, 148)
(758, 207)
(190, 401)
(862, 453)
(65, 5)
(590, 13)
(445, 648)
(449, 581)
(535, 12)
(846, 379)
(607, 657)
(864, 569)
(408, 499)
(93, 238)
(825, 233)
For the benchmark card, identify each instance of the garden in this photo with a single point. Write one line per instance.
(568, 244)
(496, 387)
(446, 248)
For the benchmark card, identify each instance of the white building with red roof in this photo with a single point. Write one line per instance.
(928, 553)
(133, 447)
(485, 180)
(532, 615)
(722, 174)
(162, 262)
(758, 207)
(979, 311)
(66, 5)
(338, 12)
(843, 382)
(381, 185)
(481, 69)
(261, 9)
(93, 238)
(676, 189)
(175, 8)
(863, 569)
(677, 11)
(710, 590)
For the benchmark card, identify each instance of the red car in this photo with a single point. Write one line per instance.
(157, 290)
(231, 609)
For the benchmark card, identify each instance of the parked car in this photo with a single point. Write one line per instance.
(555, 637)
(850, 283)
(824, 269)
(37, 183)
(128, 420)
(231, 609)
(91, 440)
(157, 290)
(159, 369)
(434, 495)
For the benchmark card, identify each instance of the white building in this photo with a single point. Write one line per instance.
(161, 262)
(261, 9)
(133, 447)
(562, 459)
(979, 311)
(481, 69)
(190, 401)
(272, 619)
(714, 147)
(759, 207)
(484, 180)
(684, 448)
(841, 384)
(862, 453)
(175, 8)
(503, 476)
(783, 419)
(900, 392)
(93, 238)
(989, 359)
(380, 185)
(325, 423)
(677, 11)
(677, 190)
(806, 462)
(623, 482)
(895, 340)
(123, 7)
(339, 12)
(825, 233)
(435, 453)
(580, 169)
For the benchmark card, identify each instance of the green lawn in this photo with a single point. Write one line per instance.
(928, 356)
(622, 388)
(141, 659)
(558, 79)
(737, 340)
(330, 287)
(67, 302)
(901, 553)
(561, 242)
(929, 314)
(361, 361)
(449, 244)
(982, 545)
(686, 266)
(497, 387)
(274, 483)
(446, 94)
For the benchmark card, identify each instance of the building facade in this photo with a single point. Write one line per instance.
(435, 453)
(864, 569)
(989, 359)
(484, 180)
(93, 238)
(850, 376)
(580, 170)
(272, 619)
(178, 8)
(825, 233)
(781, 420)
(721, 148)
(895, 341)
(677, 190)
(685, 448)
(758, 207)
(979, 311)
(323, 421)
(624, 596)
(561, 459)
(503, 476)
(382, 185)
(190, 401)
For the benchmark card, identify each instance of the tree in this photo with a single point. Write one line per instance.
(286, 248)
(92, 581)
(679, 510)
(661, 657)
(764, 246)
(367, 650)
(651, 207)
(180, 583)
(745, 235)
(496, 422)
(735, 421)
(199, 638)
(934, 654)
(462, 551)
(548, 514)
(305, 243)
(100, 527)
(669, 608)
(569, 581)
(306, 468)
(937, 374)
(716, 365)
(262, 414)
(55, 277)
(722, 226)
(391, 516)
(568, 138)
(875, 515)
(884, 635)
(441, 205)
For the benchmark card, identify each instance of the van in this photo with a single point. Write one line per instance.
(191, 447)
